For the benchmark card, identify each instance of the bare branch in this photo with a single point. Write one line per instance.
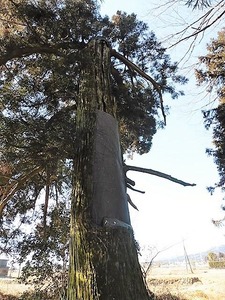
(157, 173)
(133, 189)
(145, 271)
(201, 28)
(130, 181)
(195, 23)
(131, 202)
(134, 67)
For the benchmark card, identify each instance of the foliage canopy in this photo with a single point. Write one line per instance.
(41, 58)
(213, 76)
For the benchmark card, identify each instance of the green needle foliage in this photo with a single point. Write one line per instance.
(212, 74)
(200, 4)
(41, 60)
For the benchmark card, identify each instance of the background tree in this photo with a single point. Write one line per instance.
(46, 63)
(212, 256)
(212, 75)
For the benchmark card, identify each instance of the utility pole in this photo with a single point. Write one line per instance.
(187, 261)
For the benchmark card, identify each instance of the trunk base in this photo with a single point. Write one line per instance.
(107, 267)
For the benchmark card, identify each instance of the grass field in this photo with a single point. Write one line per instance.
(168, 283)
(10, 286)
(177, 282)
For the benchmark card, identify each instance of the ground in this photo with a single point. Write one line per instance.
(180, 283)
(167, 282)
(10, 286)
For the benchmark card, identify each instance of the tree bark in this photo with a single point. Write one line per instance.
(103, 256)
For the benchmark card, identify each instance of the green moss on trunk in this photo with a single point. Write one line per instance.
(103, 260)
(118, 274)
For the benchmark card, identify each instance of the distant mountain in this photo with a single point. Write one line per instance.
(196, 257)
(217, 249)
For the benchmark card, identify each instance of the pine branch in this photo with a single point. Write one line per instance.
(14, 187)
(157, 173)
(198, 3)
(218, 223)
(134, 67)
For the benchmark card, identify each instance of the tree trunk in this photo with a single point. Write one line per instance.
(103, 255)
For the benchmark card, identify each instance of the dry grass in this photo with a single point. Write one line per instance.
(7, 297)
(176, 283)
(172, 283)
(10, 288)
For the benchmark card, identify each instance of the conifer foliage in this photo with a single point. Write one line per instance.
(212, 74)
(42, 56)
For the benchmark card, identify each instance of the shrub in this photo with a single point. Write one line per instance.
(217, 264)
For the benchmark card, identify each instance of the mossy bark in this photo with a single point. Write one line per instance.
(103, 259)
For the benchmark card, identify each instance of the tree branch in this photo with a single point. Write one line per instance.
(218, 223)
(200, 28)
(130, 181)
(26, 51)
(47, 194)
(134, 67)
(131, 202)
(157, 173)
(13, 188)
(133, 189)
(22, 51)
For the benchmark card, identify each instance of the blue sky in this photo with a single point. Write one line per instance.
(169, 213)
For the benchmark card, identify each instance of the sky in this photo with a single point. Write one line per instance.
(169, 213)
